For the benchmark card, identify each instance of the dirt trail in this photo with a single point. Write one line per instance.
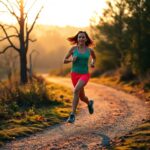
(116, 113)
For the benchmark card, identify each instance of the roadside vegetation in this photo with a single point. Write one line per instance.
(26, 109)
(138, 87)
(121, 38)
(139, 138)
(122, 45)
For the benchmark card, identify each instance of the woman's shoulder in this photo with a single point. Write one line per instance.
(90, 49)
(72, 49)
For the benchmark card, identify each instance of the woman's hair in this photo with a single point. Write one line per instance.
(74, 39)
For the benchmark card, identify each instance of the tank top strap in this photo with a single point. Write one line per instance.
(75, 52)
(88, 51)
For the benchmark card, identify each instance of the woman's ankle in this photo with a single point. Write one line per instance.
(72, 113)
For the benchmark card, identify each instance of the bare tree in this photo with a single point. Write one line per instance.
(22, 32)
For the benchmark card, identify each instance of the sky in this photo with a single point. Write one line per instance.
(63, 12)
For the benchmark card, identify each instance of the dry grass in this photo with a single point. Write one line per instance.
(140, 137)
(141, 90)
(27, 109)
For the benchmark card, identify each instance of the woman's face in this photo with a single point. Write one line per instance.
(82, 38)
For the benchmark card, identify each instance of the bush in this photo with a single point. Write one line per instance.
(20, 97)
(96, 73)
(127, 74)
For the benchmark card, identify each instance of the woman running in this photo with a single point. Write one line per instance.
(80, 54)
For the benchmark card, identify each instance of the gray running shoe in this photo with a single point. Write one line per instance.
(71, 118)
(90, 107)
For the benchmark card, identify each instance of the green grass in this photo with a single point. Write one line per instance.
(138, 139)
(32, 109)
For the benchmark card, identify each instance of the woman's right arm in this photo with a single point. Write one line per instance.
(67, 58)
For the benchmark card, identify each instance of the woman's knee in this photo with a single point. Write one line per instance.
(76, 91)
(79, 87)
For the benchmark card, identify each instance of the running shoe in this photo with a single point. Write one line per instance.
(71, 118)
(90, 107)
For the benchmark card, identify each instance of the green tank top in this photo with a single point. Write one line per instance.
(81, 64)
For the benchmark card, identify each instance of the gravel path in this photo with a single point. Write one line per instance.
(116, 113)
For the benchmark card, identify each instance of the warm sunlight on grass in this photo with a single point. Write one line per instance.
(137, 139)
(141, 90)
(33, 114)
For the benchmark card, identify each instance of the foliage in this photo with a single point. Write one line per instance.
(60, 72)
(137, 139)
(112, 41)
(139, 32)
(26, 109)
(122, 36)
(136, 87)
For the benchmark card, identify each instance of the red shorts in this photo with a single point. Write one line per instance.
(75, 77)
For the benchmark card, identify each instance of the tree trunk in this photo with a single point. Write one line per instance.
(23, 59)
(22, 32)
(23, 68)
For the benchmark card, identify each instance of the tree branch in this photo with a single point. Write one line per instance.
(10, 3)
(11, 11)
(30, 9)
(18, 2)
(8, 38)
(32, 40)
(35, 20)
(5, 49)
(29, 31)
(11, 26)
(17, 6)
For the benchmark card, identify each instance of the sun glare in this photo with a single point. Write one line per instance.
(62, 12)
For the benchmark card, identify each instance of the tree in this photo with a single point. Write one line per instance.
(112, 40)
(22, 32)
(139, 28)
(123, 34)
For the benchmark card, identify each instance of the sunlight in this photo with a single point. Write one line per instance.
(71, 12)
(62, 12)
(30, 6)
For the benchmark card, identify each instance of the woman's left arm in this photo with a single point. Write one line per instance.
(93, 58)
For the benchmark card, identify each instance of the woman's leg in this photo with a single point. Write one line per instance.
(79, 86)
(87, 101)
(83, 97)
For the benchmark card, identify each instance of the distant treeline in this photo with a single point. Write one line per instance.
(123, 37)
(122, 42)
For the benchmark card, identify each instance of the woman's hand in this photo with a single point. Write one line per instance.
(74, 58)
(93, 58)
(92, 64)
(70, 60)
(68, 55)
